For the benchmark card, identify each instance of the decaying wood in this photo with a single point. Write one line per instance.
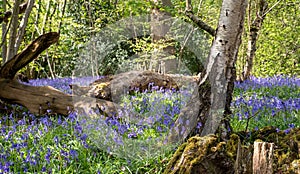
(113, 87)
(43, 99)
(10, 68)
(201, 155)
(263, 158)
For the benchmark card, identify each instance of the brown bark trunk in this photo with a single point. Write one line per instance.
(40, 100)
(6, 15)
(113, 87)
(253, 37)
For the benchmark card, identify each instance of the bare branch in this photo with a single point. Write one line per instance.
(10, 68)
(200, 23)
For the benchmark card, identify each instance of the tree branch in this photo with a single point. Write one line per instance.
(200, 23)
(31, 52)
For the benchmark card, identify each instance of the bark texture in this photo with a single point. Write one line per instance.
(23, 25)
(263, 158)
(211, 99)
(113, 87)
(41, 100)
(210, 154)
(255, 27)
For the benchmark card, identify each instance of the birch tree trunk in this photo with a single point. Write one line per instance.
(210, 102)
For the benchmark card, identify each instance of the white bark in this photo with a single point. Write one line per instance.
(214, 95)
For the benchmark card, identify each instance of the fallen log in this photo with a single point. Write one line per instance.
(43, 99)
(112, 87)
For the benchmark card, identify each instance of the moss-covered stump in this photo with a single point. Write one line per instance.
(212, 155)
(201, 155)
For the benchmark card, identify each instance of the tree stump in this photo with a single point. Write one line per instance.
(263, 158)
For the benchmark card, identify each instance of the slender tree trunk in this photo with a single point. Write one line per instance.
(255, 27)
(210, 102)
(30, 72)
(23, 25)
(13, 30)
(188, 5)
(160, 26)
(3, 38)
(62, 15)
(46, 16)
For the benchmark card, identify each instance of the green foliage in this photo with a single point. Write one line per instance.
(278, 46)
(277, 49)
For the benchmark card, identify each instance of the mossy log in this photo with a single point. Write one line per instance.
(201, 155)
(211, 155)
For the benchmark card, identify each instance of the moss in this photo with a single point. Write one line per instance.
(200, 154)
(231, 145)
(175, 157)
(209, 155)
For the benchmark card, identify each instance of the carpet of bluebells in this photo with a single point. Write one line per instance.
(60, 144)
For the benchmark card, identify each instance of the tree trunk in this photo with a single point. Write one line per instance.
(10, 68)
(13, 31)
(160, 26)
(212, 98)
(23, 25)
(263, 158)
(3, 38)
(7, 14)
(113, 87)
(255, 27)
